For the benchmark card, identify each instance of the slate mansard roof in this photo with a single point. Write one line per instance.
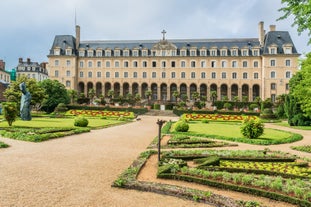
(278, 38)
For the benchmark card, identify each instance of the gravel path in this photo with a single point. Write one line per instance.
(79, 170)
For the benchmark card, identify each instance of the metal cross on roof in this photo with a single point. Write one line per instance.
(163, 32)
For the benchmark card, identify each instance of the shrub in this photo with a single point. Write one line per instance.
(81, 121)
(253, 106)
(227, 105)
(181, 126)
(205, 121)
(10, 112)
(252, 128)
(61, 107)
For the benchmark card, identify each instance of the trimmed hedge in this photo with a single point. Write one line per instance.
(190, 111)
(138, 111)
(239, 188)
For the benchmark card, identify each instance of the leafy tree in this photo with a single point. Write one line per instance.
(137, 98)
(56, 93)
(73, 95)
(301, 11)
(176, 95)
(280, 111)
(10, 112)
(213, 97)
(300, 86)
(91, 94)
(110, 94)
(148, 94)
(13, 93)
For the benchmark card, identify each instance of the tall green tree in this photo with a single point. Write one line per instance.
(300, 86)
(56, 93)
(13, 93)
(301, 11)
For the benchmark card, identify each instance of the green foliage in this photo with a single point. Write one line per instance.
(300, 88)
(300, 10)
(3, 145)
(10, 112)
(305, 148)
(181, 126)
(228, 105)
(13, 93)
(294, 112)
(252, 128)
(61, 108)
(81, 121)
(56, 93)
(39, 134)
(210, 160)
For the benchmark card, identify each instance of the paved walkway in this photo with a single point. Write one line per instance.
(79, 170)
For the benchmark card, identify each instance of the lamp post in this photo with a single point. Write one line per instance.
(160, 123)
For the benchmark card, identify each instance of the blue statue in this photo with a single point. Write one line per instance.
(25, 103)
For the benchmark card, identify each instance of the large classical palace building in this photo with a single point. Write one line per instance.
(242, 67)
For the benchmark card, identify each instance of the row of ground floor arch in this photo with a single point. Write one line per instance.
(164, 92)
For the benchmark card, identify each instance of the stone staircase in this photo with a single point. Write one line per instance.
(153, 112)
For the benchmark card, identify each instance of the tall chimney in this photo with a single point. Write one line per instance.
(261, 33)
(20, 60)
(77, 36)
(272, 28)
(28, 60)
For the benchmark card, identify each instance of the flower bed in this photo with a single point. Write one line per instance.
(275, 185)
(97, 113)
(217, 117)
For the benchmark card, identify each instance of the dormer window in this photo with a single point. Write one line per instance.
(108, 53)
(234, 52)
(99, 53)
(126, 53)
(183, 53)
(173, 52)
(203, 52)
(193, 53)
(90, 53)
(223, 52)
(57, 51)
(69, 51)
(144, 53)
(288, 50)
(244, 52)
(117, 53)
(213, 52)
(255, 52)
(272, 51)
(81, 53)
(135, 53)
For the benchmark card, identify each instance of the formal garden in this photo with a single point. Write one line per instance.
(189, 154)
(193, 148)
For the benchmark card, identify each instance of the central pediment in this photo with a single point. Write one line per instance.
(164, 45)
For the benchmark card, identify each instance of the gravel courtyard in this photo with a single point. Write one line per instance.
(79, 170)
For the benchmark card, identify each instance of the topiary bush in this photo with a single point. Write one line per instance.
(10, 112)
(252, 128)
(81, 121)
(61, 107)
(181, 126)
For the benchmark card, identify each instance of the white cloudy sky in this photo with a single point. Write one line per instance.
(28, 27)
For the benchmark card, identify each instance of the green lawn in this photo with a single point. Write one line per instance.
(44, 128)
(231, 132)
(40, 122)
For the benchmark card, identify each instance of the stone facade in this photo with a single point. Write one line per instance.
(242, 67)
(4, 79)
